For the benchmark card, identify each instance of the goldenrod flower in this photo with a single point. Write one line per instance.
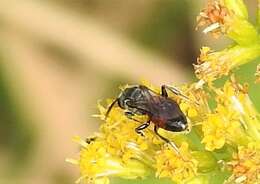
(241, 106)
(213, 65)
(96, 162)
(177, 167)
(218, 130)
(197, 98)
(245, 165)
(234, 118)
(119, 131)
(212, 17)
(230, 18)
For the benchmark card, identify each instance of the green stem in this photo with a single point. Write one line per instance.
(238, 7)
(237, 55)
(251, 119)
(239, 28)
(242, 31)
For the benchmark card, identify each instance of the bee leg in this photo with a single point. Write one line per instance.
(130, 115)
(142, 127)
(167, 140)
(173, 90)
(163, 91)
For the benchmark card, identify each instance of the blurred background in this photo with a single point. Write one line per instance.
(59, 57)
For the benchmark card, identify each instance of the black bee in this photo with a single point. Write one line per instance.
(164, 112)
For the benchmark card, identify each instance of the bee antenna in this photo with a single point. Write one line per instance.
(110, 107)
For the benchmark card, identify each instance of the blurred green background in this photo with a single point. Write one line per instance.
(58, 58)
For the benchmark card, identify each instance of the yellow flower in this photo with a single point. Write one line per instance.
(177, 167)
(213, 65)
(196, 108)
(119, 132)
(245, 165)
(234, 97)
(228, 17)
(227, 123)
(96, 163)
(213, 18)
(257, 74)
(219, 130)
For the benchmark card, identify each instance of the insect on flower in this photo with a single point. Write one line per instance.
(164, 112)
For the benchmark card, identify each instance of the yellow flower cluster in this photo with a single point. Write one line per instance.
(177, 167)
(212, 65)
(213, 18)
(119, 133)
(224, 125)
(230, 18)
(197, 107)
(246, 165)
(216, 131)
(96, 162)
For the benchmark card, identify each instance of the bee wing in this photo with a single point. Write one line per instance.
(147, 92)
(142, 105)
(147, 100)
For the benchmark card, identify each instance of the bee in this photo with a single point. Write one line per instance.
(161, 110)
